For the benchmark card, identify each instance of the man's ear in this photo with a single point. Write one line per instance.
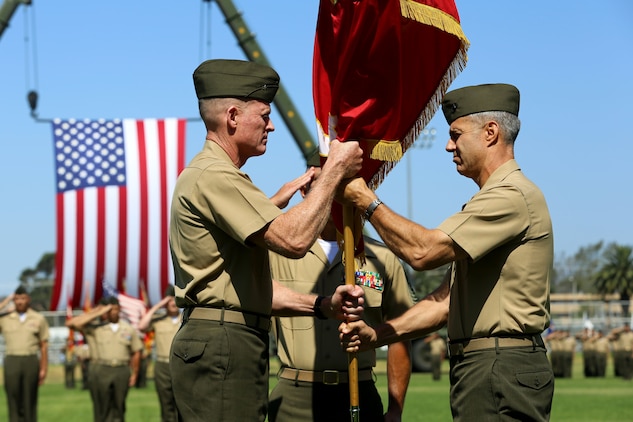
(232, 113)
(492, 132)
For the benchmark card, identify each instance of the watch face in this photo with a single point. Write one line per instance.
(371, 208)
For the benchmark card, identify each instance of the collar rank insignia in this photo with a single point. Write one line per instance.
(369, 279)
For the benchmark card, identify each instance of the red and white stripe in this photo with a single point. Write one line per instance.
(120, 233)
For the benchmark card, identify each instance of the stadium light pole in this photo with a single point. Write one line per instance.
(424, 141)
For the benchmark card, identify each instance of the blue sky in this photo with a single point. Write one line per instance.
(571, 60)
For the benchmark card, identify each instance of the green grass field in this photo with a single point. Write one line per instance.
(577, 399)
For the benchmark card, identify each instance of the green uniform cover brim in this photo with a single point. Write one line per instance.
(236, 79)
(480, 98)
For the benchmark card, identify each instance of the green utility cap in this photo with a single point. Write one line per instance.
(479, 98)
(236, 79)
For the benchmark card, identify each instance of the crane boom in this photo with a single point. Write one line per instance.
(284, 104)
(6, 12)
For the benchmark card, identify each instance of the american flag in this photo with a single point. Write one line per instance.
(132, 309)
(114, 181)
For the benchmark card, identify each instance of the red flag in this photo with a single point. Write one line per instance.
(114, 184)
(381, 69)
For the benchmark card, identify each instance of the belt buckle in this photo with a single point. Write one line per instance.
(330, 377)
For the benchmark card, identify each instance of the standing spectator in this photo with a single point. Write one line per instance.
(222, 227)
(600, 349)
(437, 345)
(622, 340)
(26, 357)
(94, 367)
(70, 363)
(568, 343)
(143, 364)
(495, 295)
(586, 338)
(118, 348)
(83, 356)
(164, 326)
(554, 341)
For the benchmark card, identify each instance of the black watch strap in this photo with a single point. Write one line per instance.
(317, 308)
(371, 208)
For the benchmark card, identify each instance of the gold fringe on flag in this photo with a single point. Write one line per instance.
(431, 16)
(386, 150)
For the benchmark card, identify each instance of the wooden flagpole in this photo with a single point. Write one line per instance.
(350, 278)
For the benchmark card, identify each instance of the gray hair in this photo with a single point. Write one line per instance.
(509, 124)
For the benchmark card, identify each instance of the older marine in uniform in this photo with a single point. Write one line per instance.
(495, 296)
(222, 227)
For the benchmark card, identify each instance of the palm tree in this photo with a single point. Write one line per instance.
(616, 274)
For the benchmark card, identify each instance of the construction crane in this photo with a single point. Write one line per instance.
(7, 10)
(284, 104)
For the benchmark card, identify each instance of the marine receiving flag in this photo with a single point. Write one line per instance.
(114, 180)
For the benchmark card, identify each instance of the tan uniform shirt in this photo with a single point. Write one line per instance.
(625, 341)
(588, 345)
(569, 344)
(82, 352)
(165, 328)
(503, 289)
(115, 345)
(91, 341)
(601, 345)
(555, 344)
(23, 338)
(312, 344)
(215, 208)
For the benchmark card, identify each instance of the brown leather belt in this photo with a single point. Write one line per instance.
(483, 343)
(226, 315)
(327, 377)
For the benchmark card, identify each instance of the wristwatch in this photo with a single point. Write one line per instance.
(317, 308)
(371, 208)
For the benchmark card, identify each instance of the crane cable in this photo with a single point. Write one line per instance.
(205, 30)
(31, 75)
